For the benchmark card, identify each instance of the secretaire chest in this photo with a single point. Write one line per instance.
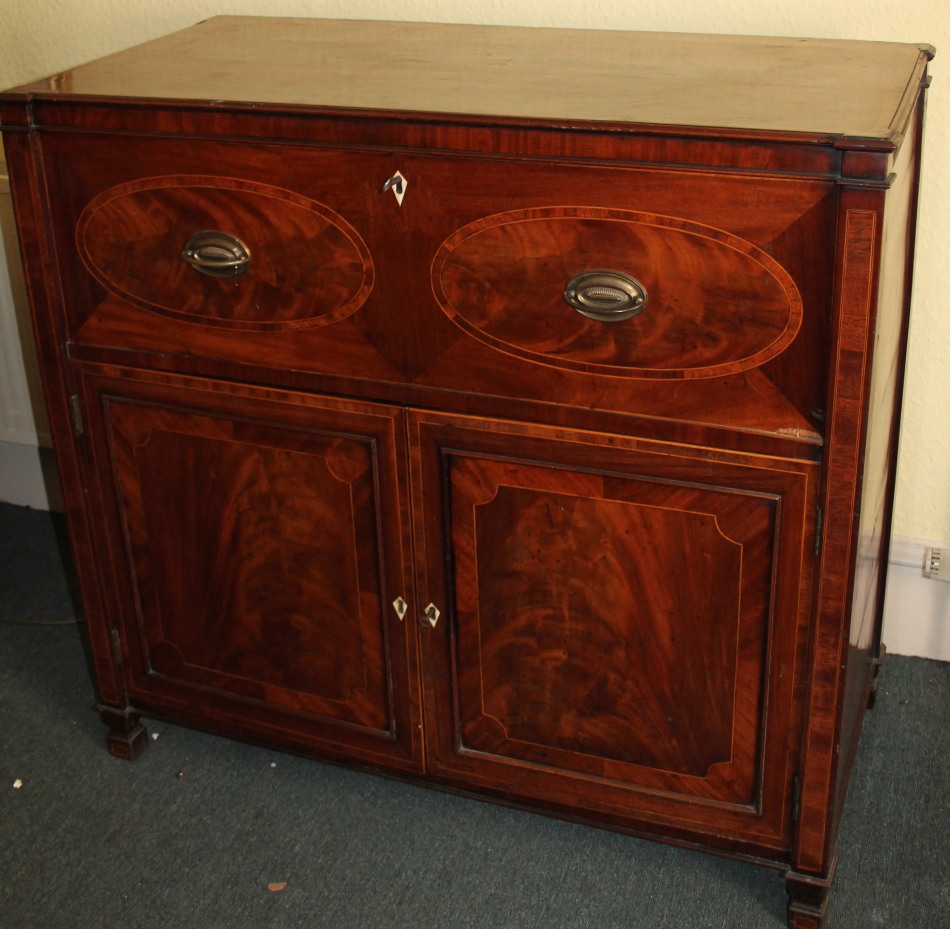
(514, 410)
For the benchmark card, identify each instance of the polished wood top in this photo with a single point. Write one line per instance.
(749, 84)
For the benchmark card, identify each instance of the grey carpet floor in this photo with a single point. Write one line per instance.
(191, 835)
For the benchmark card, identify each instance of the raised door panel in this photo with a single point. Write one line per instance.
(621, 624)
(265, 545)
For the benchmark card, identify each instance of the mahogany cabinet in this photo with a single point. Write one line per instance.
(513, 410)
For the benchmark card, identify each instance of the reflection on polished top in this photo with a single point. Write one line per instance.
(751, 83)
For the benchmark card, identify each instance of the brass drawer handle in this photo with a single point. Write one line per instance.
(607, 296)
(217, 254)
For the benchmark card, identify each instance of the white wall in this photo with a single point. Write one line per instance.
(44, 36)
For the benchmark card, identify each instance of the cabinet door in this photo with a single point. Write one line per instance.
(257, 545)
(620, 625)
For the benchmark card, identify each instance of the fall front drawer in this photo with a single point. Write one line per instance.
(307, 263)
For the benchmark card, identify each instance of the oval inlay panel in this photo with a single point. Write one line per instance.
(717, 304)
(308, 266)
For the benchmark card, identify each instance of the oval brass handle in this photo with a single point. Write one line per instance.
(607, 296)
(217, 254)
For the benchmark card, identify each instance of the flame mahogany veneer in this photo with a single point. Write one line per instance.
(373, 491)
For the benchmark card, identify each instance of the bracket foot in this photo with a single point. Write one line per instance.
(127, 738)
(808, 898)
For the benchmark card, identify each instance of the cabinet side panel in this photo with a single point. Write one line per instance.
(24, 154)
(858, 255)
(880, 450)
(872, 299)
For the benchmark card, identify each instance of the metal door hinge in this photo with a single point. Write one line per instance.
(116, 643)
(75, 412)
(796, 798)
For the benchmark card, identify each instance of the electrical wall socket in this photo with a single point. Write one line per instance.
(932, 559)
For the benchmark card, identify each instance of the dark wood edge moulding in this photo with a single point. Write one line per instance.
(819, 155)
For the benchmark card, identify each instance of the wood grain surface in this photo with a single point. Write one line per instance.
(580, 655)
(733, 82)
(716, 304)
(257, 582)
(308, 266)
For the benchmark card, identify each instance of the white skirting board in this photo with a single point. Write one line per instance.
(28, 477)
(916, 612)
(917, 609)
